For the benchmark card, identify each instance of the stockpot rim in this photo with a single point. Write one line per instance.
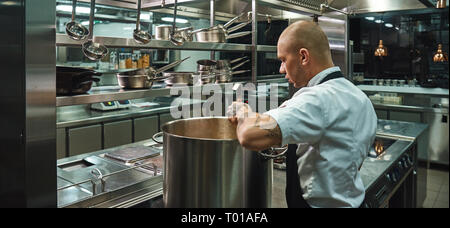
(195, 138)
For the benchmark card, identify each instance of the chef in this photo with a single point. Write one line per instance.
(329, 124)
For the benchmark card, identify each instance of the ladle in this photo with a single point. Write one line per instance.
(140, 36)
(175, 37)
(74, 29)
(92, 50)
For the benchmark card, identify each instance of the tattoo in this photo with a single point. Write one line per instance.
(275, 132)
(257, 121)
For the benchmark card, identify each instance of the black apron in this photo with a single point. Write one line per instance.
(294, 193)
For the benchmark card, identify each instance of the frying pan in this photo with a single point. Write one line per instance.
(74, 81)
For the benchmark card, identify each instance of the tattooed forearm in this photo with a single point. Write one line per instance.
(275, 132)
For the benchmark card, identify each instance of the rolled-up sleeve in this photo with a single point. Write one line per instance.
(301, 120)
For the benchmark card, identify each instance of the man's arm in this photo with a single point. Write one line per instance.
(256, 131)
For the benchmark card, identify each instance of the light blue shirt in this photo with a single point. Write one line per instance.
(334, 125)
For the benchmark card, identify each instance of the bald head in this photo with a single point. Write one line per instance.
(307, 34)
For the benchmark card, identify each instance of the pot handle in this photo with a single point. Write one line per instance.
(240, 64)
(239, 26)
(159, 134)
(232, 20)
(239, 34)
(274, 153)
(174, 64)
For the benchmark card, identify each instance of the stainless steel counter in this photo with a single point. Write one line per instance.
(85, 116)
(120, 185)
(141, 186)
(405, 89)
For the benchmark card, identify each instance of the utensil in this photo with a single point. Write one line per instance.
(140, 36)
(219, 33)
(143, 78)
(75, 30)
(162, 32)
(92, 50)
(178, 78)
(175, 37)
(246, 176)
(206, 65)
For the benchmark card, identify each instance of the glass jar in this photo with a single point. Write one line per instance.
(122, 61)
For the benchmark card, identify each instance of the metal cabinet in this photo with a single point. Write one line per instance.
(405, 116)
(145, 128)
(164, 118)
(85, 139)
(60, 143)
(382, 114)
(117, 133)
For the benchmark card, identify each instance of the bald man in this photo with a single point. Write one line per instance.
(329, 124)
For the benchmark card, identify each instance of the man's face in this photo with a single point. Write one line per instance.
(291, 65)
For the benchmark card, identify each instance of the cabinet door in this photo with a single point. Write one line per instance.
(85, 139)
(405, 116)
(381, 114)
(164, 118)
(145, 128)
(117, 133)
(60, 143)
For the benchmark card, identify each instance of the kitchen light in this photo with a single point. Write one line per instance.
(80, 9)
(370, 18)
(145, 16)
(379, 21)
(389, 25)
(381, 51)
(441, 4)
(178, 20)
(440, 56)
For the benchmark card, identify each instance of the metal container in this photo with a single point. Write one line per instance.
(206, 167)
(162, 32)
(178, 78)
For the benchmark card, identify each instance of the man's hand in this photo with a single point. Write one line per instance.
(237, 111)
(255, 131)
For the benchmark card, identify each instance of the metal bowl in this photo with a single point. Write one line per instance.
(134, 81)
(178, 78)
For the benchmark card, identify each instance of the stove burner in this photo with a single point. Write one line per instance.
(380, 146)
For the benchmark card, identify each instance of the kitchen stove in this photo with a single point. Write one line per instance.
(394, 185)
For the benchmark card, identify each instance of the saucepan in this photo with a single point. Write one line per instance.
(143, 78)
(178, 78)
(220, 33)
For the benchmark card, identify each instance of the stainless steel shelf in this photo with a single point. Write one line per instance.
(109, 93)
(112, 42)
(115, 93)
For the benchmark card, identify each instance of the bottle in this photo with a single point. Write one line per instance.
(113, 63)
(128, 61)
(122, 60)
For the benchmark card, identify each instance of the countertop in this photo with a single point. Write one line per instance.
(405, 89)
(372, 168)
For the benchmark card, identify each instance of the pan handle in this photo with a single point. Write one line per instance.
(239, 26)
(240, 64)
(274, 153)
(174, 64)
(240, 72)
(157, 135)
(239, 34)
(232, 20)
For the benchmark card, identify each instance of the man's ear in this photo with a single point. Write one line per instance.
(304, 56)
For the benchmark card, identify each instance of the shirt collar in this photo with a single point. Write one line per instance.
(320, 76)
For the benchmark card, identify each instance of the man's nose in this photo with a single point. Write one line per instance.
(282, 70)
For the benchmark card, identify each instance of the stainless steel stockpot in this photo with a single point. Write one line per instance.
(206, 167)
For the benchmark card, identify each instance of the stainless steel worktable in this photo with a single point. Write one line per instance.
(370, 171)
